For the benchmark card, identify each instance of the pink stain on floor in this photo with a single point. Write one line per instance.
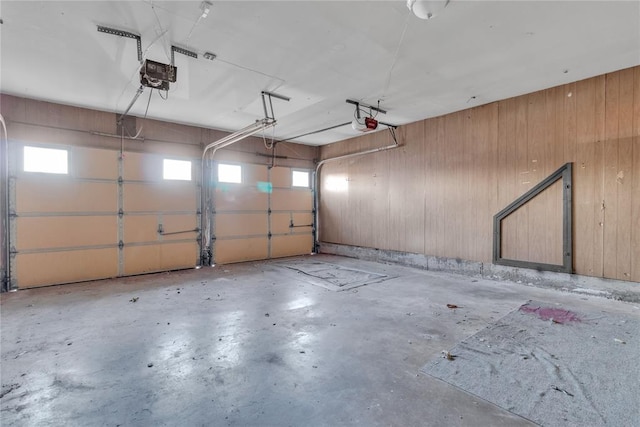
(557, 315)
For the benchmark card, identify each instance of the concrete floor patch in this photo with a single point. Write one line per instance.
(333, 276)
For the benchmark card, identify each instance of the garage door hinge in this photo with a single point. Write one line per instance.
(269, 211)
(120, 213)
(269, 235)
(120, 180)
(120, 244)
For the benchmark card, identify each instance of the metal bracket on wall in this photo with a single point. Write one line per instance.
(127, 34)
(563, 173)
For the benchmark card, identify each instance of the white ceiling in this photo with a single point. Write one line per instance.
(318, 53)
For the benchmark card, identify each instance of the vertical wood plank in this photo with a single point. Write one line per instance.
(585, 174)
(509, 179)
(539, 211)
(612, 99)
(624, 176)
(412, 205)
(523, 181)
(451, 214)
(554, 150)
(635, 186)
(441, 173)
(466, 234)
(431, 186)
(599, 172)
(480, 182)
(398, 184)
(381, 211)
(493, 174)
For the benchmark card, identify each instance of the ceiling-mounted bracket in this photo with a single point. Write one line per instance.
(369, 123)
(370, 107)
(268, 108)
(121, 33)
(182, 51)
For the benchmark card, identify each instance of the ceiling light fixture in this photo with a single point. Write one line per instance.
(426, 9)
(205, 7)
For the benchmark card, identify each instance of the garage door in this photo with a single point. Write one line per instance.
(82, 213)
(261, 213)
(160, 221)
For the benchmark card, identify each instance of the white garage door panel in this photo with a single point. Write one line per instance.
(303, 219)
(281, 222)
(67, 231)
(144, 228)
(142, 167)
(282, 246)
(43, 193)
(239, 250)
(291, 200)
(49, 268)
(253, 174)
(240, 199)
(141, 228)
(281, 177)
(93, 163)
(160, 197)
(229, 225)
(182, 226)
(160, 257)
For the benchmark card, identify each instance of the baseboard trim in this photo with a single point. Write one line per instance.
(595, 286)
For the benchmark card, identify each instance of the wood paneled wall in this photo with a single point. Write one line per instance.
(438, 192)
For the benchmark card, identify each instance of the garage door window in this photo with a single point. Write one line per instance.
(47, 160)
(177, 170)
(300, 179)
(230, 173)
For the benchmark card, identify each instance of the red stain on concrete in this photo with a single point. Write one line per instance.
(557, 315)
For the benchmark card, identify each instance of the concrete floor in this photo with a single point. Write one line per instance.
(252, 344)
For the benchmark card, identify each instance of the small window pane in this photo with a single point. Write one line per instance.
(300, 179)
(230, 173)
(48, 160)
(177, 169)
